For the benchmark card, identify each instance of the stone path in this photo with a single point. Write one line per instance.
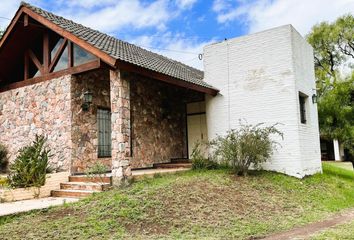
(28, 205)
(308, 230)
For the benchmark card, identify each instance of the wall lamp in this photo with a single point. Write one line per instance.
(87, 100)
(314, 96)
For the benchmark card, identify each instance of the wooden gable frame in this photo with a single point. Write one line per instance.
(105, 59)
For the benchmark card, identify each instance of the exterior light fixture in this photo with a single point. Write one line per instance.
(87, 100)
(314, 96)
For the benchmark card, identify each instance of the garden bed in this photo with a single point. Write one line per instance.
(53, 181)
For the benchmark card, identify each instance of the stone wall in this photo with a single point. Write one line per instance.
(84, 130)
(121, 131)
(42, 108)
(158, 118)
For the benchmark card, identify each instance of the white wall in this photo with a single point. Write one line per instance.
(259, 77)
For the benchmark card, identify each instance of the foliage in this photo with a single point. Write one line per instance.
(336, 113)
(199, 161)
(333, 45)
(31, 165)
(1, 33)
(3, 158)
(250, 145)
(97, 170)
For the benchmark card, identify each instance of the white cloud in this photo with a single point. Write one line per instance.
(175, 46)
(112, 17)
(185, 3)
(263, 14)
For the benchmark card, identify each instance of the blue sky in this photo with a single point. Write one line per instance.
(180, 28)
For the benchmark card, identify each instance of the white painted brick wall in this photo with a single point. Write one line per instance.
(259, 77)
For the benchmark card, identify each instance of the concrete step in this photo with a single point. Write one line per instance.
(85, 186)
(172, 165)
(82, 178)
(72, 193)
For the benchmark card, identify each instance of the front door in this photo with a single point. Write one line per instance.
(196, 125)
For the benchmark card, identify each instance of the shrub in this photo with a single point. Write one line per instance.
(199, 161)
(97, 170)
(250, 145)
(31, 165)
(3, 158)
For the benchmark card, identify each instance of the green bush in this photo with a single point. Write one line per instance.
(250, 145)
(31, 165)
(199, 161)
(3, 158)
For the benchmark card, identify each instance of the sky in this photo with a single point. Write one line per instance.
(179, 29)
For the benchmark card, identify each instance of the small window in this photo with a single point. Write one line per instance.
(104, 132)
(302, 101)
(81, 56)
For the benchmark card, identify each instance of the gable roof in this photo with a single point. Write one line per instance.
(124, 51)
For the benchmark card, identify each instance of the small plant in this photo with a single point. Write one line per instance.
(31, 165)
(97, 170)
(199, 161)
(3, 158)
(250, 145)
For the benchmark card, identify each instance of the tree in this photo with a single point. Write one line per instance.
(336, 113)
(1, 33)
(333, 45)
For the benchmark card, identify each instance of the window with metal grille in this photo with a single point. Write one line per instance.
(104, 132)
(302, 100)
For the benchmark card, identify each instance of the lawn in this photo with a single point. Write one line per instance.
(193, 205)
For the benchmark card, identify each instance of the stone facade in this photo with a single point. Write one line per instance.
(158, 118)
(84, 131)
(42, 108)
(120, 108)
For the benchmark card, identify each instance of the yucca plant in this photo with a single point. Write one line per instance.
(31, 165)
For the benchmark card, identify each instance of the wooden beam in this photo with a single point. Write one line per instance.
(46, 52)
(26, 66)
(57, 56)
(25, 20)
(82, 43)
(90, 66)
(70, 54)
(165, 78)
(35, 61)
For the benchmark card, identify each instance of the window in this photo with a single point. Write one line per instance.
(81, 56)
(302, 100)
(104, 132)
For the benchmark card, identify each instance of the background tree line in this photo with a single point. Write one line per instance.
(333, 45)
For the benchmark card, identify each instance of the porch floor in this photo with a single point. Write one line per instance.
(141, 173)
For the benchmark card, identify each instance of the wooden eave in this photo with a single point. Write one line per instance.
(129, 67)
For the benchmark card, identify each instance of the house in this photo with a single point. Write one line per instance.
(100, 99)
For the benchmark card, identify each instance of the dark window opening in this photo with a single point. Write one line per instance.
(104, 133)
(302, 100)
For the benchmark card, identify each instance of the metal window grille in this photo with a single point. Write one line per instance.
(104, 133)
(302, 100)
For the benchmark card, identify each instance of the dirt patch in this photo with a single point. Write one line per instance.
(206, 204)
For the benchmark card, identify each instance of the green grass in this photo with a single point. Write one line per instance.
(341, 232)
(193, 205)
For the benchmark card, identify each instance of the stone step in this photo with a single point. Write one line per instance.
(180, 160)
(81, 178)
(72, 193)
(172, 165)
(85, 186)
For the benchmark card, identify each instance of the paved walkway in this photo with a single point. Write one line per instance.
(306, 231)
(28, 205)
